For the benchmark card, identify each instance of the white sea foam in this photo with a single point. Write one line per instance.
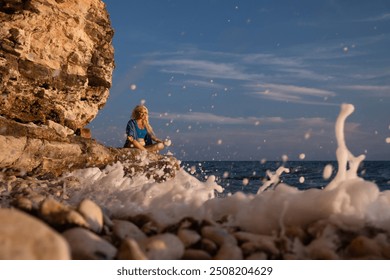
(348, 200)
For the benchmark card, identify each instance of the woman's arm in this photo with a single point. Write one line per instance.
(155, 139)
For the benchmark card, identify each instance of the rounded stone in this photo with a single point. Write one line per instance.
(130, 250)
(92, 213)
(125, 229)
(85, 245)
(188, 237)
(23, 237)
(163, 247)
(219, 235)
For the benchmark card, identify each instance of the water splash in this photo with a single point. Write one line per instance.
(348, 200)
(274, 178)
(344, 157)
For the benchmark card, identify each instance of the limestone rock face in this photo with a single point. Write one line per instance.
(56, 64)
(56, 60)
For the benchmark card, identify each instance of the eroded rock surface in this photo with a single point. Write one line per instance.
(56, 60)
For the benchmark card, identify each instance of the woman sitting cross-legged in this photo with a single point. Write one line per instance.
(139, 132)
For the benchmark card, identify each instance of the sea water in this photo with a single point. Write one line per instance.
(259, 198)
(248, 176)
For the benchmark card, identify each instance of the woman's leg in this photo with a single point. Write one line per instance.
(155, 147)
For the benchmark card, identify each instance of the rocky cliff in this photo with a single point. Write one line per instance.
(56, 64)
(56, 60)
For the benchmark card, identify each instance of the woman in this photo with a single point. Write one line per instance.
(140, 134)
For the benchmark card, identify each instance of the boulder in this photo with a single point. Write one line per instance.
(85, 245)
(56, 60)
(18, 242)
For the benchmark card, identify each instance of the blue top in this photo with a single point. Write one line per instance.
(133, 130)
(140, 132)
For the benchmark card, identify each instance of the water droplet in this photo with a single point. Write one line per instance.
(327, 171)
(133, 86)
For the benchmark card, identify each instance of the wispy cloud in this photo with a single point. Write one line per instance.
(382, 17)
(301, 75)
(293, 93)
(371, 89)
(200, 117)
(200, 84)
(271, 59)
(245, 68)
(210, 118)
(204, 68)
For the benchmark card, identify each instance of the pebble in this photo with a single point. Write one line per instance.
(107, 220)
(320, 249)
(256, 242)
(229, 251)
(130, 250)
(364, 247)
(86, 245)
(92, 213)
(382, 241)
(218, 235)
(257, 256)
(163, 247)
(188, 237)
(57, 213)
(91, 233)
(196, 254)
(208, 246)
(23, 237)
(124, 229)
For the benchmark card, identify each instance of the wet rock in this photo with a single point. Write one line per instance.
(92, 213)
(25, 237)
(86, 245)
(249, 248)
(209, 246)
(384, 243)
(130, 250)
(188, 237)
(107, 220)
(256, 242)
(196, 254)
(363, 247)
(321, 249)
(59, 214)
(257, 256)
(218, 234)
(163, 247)
(293, 232)
(229, 251)
(147, 224)
(125, 229)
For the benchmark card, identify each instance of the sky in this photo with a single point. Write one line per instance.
(253, 79)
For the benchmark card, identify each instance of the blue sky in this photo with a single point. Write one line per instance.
(253, 79)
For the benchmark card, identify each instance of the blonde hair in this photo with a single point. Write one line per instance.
(138, 112)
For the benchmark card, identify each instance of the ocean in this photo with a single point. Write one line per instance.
(248, 176)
